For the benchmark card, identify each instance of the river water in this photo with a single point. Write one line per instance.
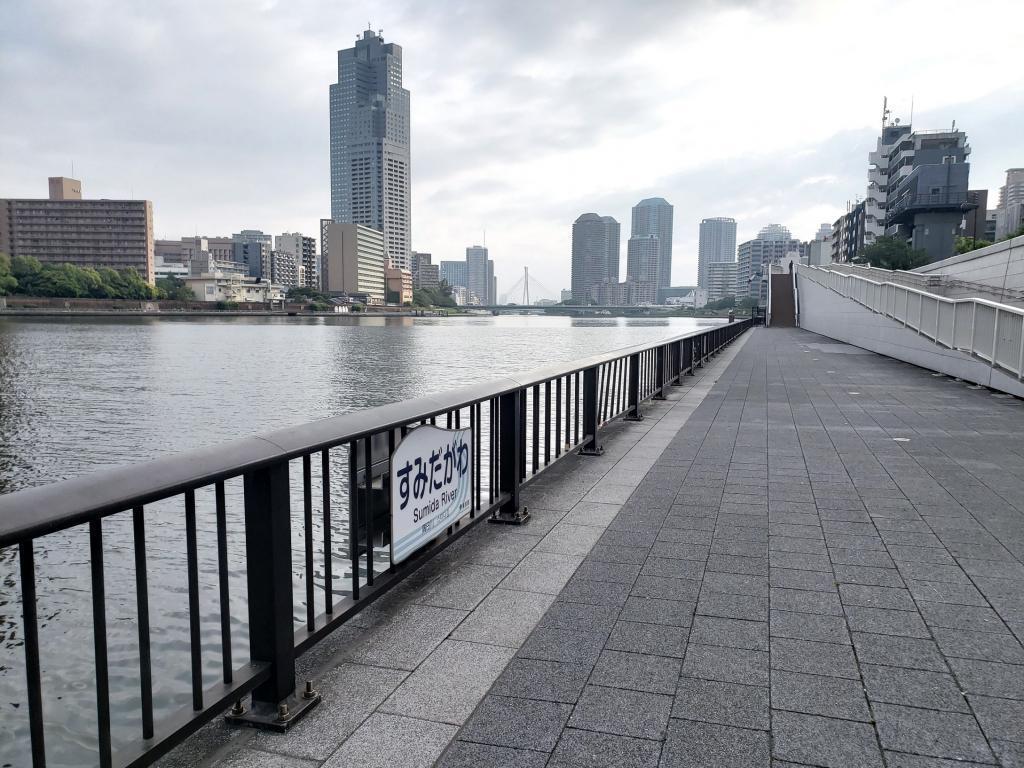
(81, 394)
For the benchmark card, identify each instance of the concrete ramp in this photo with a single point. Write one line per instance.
(977, 341)
(783, 309)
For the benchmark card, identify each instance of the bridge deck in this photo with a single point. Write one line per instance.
(814, 557)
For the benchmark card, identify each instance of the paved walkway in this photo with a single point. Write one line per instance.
(811, 555)
(824, 567)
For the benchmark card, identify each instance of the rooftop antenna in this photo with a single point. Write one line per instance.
(911, 110)
(72, 168)
(485, 237)
(885, 110)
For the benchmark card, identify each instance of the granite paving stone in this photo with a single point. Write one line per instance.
(712, 701)
(622, 712)
(636, 671)
(653, 639)
(730, 665)
(825, 629)
(509, 721)
(465, 754)
(896, 651)
(707, 745)
(733, 633)
(448, 684)
(385, 740)
(927, 732)
(543, 680)
(587, 749)
(821, 741)
(987, 646)
(504, 617)
(913, 687)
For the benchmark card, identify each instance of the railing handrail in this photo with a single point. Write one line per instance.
(33, 512)
(966, 300)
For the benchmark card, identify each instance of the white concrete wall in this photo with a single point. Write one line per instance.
(824, 311)
(1000, 265)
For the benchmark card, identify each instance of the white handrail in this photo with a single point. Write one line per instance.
(991, 327)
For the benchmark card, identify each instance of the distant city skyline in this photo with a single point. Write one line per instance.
(517, 136)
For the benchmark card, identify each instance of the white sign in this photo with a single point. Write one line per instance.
(430, 486)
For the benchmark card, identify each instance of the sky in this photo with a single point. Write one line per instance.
(524, 114)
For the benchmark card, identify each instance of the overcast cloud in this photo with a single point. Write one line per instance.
(524, 114)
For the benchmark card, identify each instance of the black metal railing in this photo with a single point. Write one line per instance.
(520, 427)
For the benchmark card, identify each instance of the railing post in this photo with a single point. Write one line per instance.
(659, 373)
(688, 354)
(995, 338)
(591, 403)
(268, 556)
(511, 457)
(677, 362)
(634, 413)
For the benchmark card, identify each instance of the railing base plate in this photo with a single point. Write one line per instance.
(518, 517)
(599, 451)
(266, 717)
(633, 417)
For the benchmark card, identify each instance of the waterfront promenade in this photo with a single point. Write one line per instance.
(809, 555)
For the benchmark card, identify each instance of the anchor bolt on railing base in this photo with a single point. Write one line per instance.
(275, 717)
(517, 517)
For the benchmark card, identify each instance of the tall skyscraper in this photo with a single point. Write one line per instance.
(480, 275)
(643, 259)
(717, 244)
(595, 254)
(653, 216)
(370, 160)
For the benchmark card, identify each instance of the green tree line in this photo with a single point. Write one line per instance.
(27, 276)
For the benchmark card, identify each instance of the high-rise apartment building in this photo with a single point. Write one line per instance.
(1010, 211)
(304, 250)
(643, 259)
(353, 260)
(480, 278)
(876, 201)
(653, 216)
(454, 273)
(370, 157)
(717, 244)
(849, 233)
(65, 229)
(721, 279)
(595, 255)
